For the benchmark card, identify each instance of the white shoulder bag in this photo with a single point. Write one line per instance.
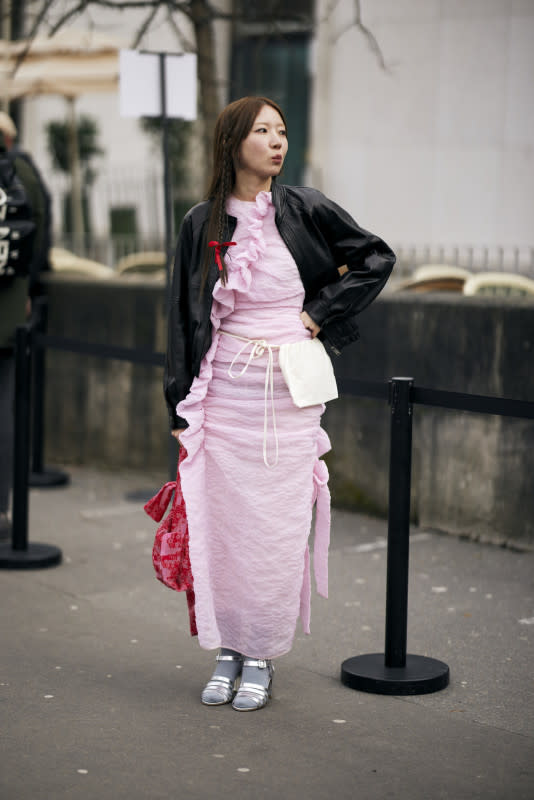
(308, 372)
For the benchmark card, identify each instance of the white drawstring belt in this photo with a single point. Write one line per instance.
(258, 348)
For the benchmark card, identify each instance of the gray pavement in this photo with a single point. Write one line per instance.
(100, 680)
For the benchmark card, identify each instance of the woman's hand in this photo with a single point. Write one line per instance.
(309, 324)
(177, 433)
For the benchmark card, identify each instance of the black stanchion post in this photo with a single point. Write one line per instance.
(400, 479)
(395, 672)
(20, 554)
(37, 394)
(21, 443)
(40, 476)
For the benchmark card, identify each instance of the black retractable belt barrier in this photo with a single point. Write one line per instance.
(41, 476)
(20, 554)
(395, 672)
(133, 356)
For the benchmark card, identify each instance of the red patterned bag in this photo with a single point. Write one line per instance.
(170, 553)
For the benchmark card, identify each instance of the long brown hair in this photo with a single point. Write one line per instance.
(234, 124)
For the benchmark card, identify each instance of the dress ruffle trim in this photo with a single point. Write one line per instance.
(249, 248)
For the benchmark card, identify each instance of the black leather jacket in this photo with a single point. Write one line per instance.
(320, 236)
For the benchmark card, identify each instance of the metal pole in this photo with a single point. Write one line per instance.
(76, 180)
(167, 194)
(21, 444)
(400, 468)
(20, 554)
(38, 389)
(396, 672)
(40, 476)
(167, 188)
(172, 450)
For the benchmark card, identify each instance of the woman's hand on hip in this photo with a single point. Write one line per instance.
(309, 324)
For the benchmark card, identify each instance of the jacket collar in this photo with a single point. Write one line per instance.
(278, 194)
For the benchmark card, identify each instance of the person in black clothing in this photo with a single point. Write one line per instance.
(15, 301)
(39, 199)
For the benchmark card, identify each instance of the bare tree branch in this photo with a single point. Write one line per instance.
(115, 5)
(369, 35)
(187, 45)
(146, 25)
(40, 17)
(358, 23)
(33, 31)
(74, 12)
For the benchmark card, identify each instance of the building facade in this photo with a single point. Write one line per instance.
(420, 122)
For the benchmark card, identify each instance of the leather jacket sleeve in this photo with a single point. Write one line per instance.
(369, 261)
(178, 377)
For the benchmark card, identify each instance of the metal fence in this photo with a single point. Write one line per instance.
(124, 214)
(138, 196)
(475, 258)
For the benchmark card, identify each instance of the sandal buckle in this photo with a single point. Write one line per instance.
(261, 663)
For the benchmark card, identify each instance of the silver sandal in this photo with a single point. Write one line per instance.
(220, 690)
(253, 696)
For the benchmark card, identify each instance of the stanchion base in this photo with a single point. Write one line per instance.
(35, 556)
(368, 673)
(48, 478)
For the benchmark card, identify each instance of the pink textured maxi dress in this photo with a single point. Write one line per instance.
(252, 472)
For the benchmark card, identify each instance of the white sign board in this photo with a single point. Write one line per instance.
(140, 91)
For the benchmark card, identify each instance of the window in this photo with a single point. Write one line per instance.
(267, 11)
(270, 57)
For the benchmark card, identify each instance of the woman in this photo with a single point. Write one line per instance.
(257, 265)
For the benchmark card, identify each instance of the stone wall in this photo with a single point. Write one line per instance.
(472, 473)
(102, 411)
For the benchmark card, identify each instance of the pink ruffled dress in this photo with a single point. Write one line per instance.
(253, 470)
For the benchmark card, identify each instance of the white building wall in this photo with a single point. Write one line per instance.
(438, 148)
